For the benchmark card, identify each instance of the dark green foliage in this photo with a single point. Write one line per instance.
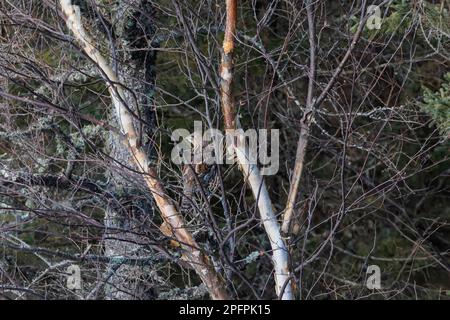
(437, 105)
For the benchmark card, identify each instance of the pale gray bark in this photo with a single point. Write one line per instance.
(125, 281)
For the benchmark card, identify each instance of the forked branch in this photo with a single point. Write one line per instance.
(312, 105)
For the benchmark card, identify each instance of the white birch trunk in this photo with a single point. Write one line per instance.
(169, 212)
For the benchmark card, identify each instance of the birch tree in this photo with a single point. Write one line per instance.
(96, 96)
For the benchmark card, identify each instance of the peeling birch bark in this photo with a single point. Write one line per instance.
(200, 263)
(280, 258)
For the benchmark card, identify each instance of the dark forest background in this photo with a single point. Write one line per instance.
(375, 183)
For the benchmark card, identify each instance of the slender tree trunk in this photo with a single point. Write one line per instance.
(251, 172)
(169, 212)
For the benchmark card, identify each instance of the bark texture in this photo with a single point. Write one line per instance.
(280, 258)
(201, 263)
